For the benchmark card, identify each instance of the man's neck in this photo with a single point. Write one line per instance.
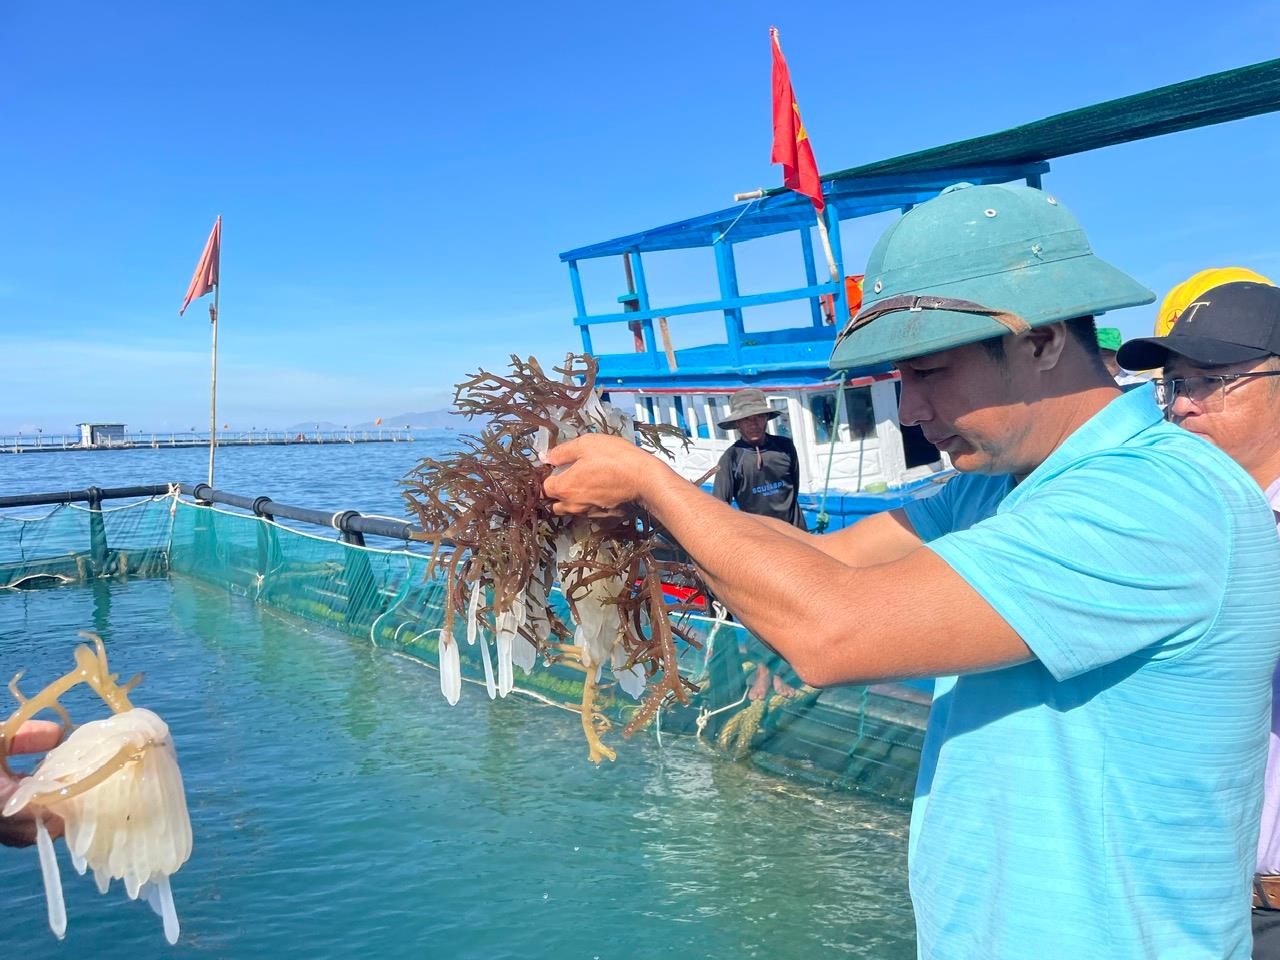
(1058, 417)
(1267, 472)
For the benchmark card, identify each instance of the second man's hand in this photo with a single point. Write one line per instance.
(19, 830)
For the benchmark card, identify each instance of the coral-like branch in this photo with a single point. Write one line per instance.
(491, 527)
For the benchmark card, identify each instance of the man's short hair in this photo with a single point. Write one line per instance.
(1084, 329)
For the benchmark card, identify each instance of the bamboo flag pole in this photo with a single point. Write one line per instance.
(207, 279)
(826, 248)
(213, 381)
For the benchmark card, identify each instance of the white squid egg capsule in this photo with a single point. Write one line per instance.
(133, 826)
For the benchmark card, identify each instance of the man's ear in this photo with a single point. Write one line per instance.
(1041, 347)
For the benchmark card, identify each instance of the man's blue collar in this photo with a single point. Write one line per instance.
(1114, 425)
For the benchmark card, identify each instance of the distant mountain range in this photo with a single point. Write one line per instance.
(421, 420)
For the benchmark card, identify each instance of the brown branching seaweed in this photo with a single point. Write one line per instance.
(495, 537)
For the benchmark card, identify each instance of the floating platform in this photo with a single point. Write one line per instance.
(20, 444)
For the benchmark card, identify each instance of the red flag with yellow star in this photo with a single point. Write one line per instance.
(791, 146)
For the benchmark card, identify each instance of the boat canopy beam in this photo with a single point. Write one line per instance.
(783, 212)
(899, 183)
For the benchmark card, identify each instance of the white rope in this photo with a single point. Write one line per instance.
(174, 493)
(401, 552)
(12, 518)
(127, 506)
(720, 238)
(73, 506)
(708, 648)
(400, 595)
(704, 714)
(383, 516)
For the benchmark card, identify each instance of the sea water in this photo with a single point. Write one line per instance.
(340, 807)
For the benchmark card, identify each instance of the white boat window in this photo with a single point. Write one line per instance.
(781, 426)
(857, 419)
(823, 408)
(859, 414)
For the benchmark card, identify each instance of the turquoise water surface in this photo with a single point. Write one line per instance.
(341, 807)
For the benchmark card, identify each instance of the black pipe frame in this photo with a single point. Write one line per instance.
(349, 523)
(89, 495)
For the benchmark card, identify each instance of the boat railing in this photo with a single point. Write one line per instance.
(766, 214)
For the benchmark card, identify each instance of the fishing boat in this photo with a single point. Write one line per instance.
(856, 459)
(855, 456)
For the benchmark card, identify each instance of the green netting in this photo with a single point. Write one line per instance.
(71, 543)
(866, 738)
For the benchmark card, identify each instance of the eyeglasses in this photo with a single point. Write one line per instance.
(1207, 393)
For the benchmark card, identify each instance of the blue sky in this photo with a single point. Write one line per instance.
(396, 179)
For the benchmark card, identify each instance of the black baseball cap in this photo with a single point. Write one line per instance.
(1231, 323)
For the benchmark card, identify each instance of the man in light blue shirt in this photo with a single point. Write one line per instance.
(1139, 601)
(1103, 587)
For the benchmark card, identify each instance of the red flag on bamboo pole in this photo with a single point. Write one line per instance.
(791, 146)
(206, 275)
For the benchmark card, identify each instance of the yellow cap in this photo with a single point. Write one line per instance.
(1194, 287)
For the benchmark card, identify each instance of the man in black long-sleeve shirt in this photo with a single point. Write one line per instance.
(760, 472)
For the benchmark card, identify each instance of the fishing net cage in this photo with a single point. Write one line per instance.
(749, 704)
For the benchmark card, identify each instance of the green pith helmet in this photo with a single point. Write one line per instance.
(975, 263)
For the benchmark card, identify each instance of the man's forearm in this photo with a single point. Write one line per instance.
(786, 529)
(754, 566)
(794, 596)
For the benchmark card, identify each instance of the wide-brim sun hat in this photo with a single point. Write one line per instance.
(973, 263)
(747, 403)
